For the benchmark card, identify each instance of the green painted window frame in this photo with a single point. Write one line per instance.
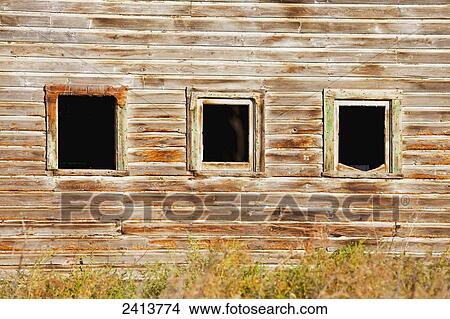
(330, 123)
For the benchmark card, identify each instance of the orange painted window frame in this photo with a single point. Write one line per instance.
(53, 91)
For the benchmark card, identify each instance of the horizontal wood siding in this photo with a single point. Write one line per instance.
(158, 49)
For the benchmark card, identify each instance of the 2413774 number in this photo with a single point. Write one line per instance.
(150, 308)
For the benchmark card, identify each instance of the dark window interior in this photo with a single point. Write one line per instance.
(361, 136)
(86, 132)
(225, 133)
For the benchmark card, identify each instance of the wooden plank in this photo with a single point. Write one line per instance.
(233, 39)
(158, 97)
(41, 79)
(415, 129)
(22, 139)
(147, 126)
(294, 170)
(21, 108)
(139, 140)
(298, 83)
(12, 168)
(426, 99)
(411, 99)
(71, 259)
(20, 183)
(426, 143)
(134, 260)
(135, 243)
(22, 200)
(294, 113)
(224, 68)
(400, 2)
(80, 244)
(428, 157)
(172, 154)
(22, 123)
(302, 10)
(279, 156)
(218, 214)
(18, 153)
(223, 53)
(310, 203)
(216, 207)
(423, 230)
(171, 184)
(292, 129)
(260, 229)
(415, 244)
(426, 114)
(234, 9)
(157, 8)
(294, 141)
(158, 169)
(58, 229)
(294, 99)
(424, 171)
(221, 214)
(157, 111)
(236, 184)
(242, 24)
(137, 260)
(360, 26)
(15, 94)
(126, 243)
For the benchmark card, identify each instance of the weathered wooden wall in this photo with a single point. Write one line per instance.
(292, 49)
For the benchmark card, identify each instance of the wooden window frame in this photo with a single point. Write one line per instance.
(392, 100)
(255, 101)
(52, 92)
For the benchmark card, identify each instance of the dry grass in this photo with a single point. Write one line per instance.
(228, 272)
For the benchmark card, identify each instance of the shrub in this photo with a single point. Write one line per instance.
(228, 271)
